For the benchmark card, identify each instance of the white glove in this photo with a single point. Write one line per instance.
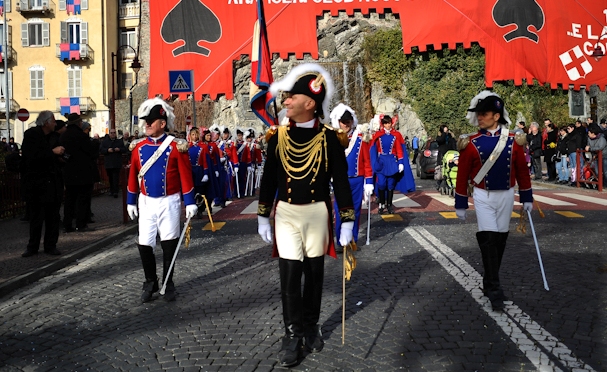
(461, 214)
(528, 206)
(345, 234)
(369, 189)
(401, 168)
(205, 178)
(264, 229)
(250, 168)
(190, 210)
(216, 173)
(235, 169)
(132, 211)
(223, 160)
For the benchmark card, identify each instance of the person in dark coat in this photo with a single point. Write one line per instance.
(574, 143)
(446, 142)
(534, 139)
(42, 184)
(77, 174)
(550, 149)
(112, 149)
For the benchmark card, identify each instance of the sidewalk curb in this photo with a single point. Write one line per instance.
(66, 260)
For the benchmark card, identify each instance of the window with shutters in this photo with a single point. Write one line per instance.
(36, 82)
(74, 81)
(74, 31)
(84, 4)
(4, 81)
(35, 32)
(35, 4)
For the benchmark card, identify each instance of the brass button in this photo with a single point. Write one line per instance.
(312, 191)
(313, 169)
(289, 200)
(289, 179)
(313, 180)
(289, 190)
(313, 201)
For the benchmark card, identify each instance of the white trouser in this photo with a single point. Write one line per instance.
(493, 209)
(158, 216)
(301, 230)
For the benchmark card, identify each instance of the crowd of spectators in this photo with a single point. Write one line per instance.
(559, 149)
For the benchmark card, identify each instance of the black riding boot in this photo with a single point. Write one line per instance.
(148, 260)
(389, 201)
(382, 201)
(489, 242)
(292, 314)
(314, 271)
(168, 250)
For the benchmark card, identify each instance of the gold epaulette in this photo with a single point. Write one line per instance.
(182, 145)
(341, 135)
(134, 143)
(520, 138)
(462, 141)
(272, 131)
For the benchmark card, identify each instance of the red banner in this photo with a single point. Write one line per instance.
(551, 41)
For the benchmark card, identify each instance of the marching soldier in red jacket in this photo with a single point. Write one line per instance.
(492, 161)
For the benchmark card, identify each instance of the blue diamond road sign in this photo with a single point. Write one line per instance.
(181, 81)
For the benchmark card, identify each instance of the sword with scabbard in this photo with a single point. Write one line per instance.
(186, 231)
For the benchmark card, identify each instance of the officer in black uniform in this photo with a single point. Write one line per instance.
(303, 155)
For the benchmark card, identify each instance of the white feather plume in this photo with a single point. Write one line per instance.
(146, 107)
(287, 83)
(471, 115)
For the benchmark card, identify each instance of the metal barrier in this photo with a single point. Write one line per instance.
(597, 157)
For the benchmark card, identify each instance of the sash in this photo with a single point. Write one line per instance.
(148, 164)
(352, 141)
(501, 144)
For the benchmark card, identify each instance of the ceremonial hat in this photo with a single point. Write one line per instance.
(309, 79)
(487, 101)
(153, 109)
(343, 113)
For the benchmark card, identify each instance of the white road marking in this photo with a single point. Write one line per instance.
(403, 201)
(251, 208)
(539, 346)
(445, 199)
(585, 198)
(551, 201)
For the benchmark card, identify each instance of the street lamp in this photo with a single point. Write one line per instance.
(135, 66)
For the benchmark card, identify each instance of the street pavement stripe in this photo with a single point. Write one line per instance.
(209, 227)
(448, 215)
(251, 208)
(551, 201)
(391, 217)
(445, 199)
(403, 201)
(569, 214)
(541, 349)
(589, 199)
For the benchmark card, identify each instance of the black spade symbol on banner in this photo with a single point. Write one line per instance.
(192, 22)
(522, 13)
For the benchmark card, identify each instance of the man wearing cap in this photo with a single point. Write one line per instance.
(492, 161)
(244, 161)
(78, 174)
(160, 174)
(303, 156)
(360, 174)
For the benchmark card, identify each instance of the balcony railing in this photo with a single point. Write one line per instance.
(14, 107)
(71, 52)
(128, 11)
(9, 54)
(85, 104)
(25, 6)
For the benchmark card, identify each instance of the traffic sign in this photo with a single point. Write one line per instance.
(23, 114)
(181, 81)
(188, 120)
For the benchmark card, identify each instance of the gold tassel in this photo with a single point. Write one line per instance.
(188, 230)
